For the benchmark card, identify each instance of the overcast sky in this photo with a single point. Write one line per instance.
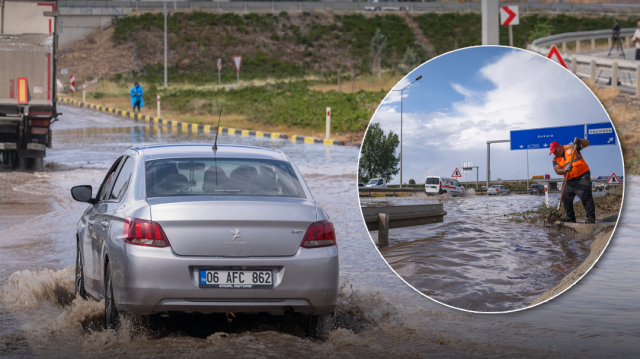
(473, 95)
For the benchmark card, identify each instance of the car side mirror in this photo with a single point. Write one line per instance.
(82, 194)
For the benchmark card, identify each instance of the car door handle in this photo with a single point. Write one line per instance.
(104, 223)
(91, 222)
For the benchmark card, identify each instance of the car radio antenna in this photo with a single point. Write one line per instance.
(215, 142)
(215, 145)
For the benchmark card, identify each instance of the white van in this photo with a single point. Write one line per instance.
(377, 183)
(434, 185)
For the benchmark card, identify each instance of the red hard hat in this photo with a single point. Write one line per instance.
(553, 147)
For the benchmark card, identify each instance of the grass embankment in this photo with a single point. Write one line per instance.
(606, 205)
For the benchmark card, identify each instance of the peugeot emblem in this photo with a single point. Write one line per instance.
(237, 235)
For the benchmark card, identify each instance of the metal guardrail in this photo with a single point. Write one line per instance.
(596, 64)
(348, 6)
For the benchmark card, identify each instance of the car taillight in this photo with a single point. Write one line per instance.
(440, 184)
(319, 234)
(144, 233)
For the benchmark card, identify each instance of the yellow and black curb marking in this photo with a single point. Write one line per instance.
(196, 126)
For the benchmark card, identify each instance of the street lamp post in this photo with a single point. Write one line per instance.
(165, 43)
(517, 180)
(401, 97)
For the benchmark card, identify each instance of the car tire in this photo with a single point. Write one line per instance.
(111, 315)
(80, 290)
(317, 326)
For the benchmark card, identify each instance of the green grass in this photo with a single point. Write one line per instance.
(291, 104)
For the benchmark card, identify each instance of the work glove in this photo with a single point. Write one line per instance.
(568, 168)
(578, 144)
(576, 140)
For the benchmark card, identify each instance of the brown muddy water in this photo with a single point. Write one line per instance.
(478, 259)
(378, 315)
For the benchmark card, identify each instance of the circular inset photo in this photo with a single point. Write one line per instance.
(491, 179)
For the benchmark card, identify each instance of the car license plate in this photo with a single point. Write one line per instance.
(239, 279)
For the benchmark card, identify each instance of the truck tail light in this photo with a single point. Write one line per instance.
(23, 91)
(319, 234)
(39, 130)
(39, 123)
(144, 233)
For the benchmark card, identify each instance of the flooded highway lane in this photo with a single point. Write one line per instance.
(379, 315)
(479, 258)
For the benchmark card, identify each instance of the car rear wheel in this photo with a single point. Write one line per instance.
(317, 326)
(80, 275)
(111, 315)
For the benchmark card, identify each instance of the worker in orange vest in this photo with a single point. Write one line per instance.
(577, 177)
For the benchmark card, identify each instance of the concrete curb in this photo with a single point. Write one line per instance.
(196, 126)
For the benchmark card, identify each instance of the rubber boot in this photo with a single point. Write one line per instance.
(591, 221)
(567, 220)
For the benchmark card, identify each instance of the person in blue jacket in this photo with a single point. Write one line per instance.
(136, 97)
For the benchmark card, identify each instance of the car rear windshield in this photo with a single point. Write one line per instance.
(221, 177)
(433, 180)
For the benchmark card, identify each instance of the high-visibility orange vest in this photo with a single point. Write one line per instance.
(579, 165)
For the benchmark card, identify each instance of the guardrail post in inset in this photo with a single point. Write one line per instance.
(627, 41)
(383, 230)
(577, 45)
(614, 75)
(564, 46)
(574, 65)
(546, 193)
(593, 70)
(328, 130)
(593, 44)
(638, 81)
(158, 106)
(609, 42)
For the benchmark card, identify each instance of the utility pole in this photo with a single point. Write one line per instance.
(401, 104)
(165, 43)
(490, 22)
(528, 170)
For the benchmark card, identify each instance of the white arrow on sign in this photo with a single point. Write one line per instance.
(545, 145)
(610, 140)
(509, 15)
(521, 146)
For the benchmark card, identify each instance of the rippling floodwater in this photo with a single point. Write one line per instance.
(478, 259)
(382, 317)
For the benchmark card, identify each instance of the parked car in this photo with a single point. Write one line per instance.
(377, 183)
(497, 190)
(384, 5)
(360, 185)
(183, 228)
(536, 189)
(434, 185)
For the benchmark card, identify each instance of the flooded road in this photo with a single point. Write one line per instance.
(379, 316)
(479, 258)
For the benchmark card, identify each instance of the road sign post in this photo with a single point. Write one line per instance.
(490, 22)
(219, 68)
(468, 167)
(237, 59)
(328, 131)
(84, 92)
(158, 100)
(508, 17)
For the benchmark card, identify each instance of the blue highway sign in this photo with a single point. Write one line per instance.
(540, 138)
(601, 134)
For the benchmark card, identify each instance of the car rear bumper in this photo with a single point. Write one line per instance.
(154, 280)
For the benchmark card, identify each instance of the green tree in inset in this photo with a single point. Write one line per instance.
(412, 181)
(378, 157)
(541, 29)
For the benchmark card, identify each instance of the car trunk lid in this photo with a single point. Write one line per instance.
(239, 227)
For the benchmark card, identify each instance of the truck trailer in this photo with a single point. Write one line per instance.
(28, 44)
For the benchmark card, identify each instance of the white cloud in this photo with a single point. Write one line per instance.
(528, 92)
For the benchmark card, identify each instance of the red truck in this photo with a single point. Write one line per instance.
(28, 43)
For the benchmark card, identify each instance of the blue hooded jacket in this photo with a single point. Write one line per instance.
(136, 94)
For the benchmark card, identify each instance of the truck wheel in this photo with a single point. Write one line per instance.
(38, 164)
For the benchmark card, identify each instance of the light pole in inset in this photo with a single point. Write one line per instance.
(517, 180)
(401, 97)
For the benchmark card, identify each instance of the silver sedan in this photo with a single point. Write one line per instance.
(183, 228)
